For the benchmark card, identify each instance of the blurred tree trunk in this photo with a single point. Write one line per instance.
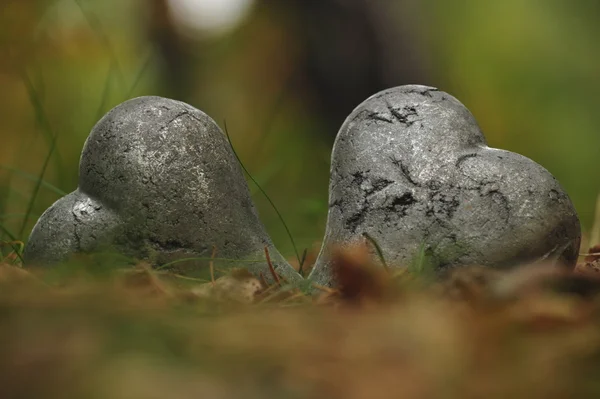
(352, 49)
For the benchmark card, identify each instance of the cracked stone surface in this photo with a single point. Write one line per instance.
(158, 181)
(411, 169)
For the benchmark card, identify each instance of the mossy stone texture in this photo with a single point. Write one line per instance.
(411, 169)
(158, 180)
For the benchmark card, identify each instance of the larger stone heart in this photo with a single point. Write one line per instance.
(411, 170)
(157, 180)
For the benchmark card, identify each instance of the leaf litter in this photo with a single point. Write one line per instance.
(137, 332)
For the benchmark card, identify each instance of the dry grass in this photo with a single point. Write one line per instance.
(531, 333)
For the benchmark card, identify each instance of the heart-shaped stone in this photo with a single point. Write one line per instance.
(158, 180)
(412, 171)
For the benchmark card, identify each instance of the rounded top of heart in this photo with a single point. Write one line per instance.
(151, 142)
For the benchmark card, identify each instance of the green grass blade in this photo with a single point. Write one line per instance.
(300, 267)
(12, 237)
(418, 263)
(265, 194)
(377, 249)
(40, 114)
(265, 176)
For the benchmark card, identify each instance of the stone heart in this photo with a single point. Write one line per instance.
(157, 180)
(411, 169)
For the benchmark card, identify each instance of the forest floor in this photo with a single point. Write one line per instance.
(533, 332)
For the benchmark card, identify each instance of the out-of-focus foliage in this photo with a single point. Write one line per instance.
(527, 69)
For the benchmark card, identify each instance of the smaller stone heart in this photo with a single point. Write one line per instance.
(158, 180)
(411, 170)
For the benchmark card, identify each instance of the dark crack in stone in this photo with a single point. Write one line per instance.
(411, 168)
(158, 181)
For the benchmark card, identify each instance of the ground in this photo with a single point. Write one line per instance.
(97, 332)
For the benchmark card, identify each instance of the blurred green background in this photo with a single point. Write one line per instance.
(284, 74)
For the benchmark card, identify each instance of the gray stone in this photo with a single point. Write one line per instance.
(411, 168)
(158, 181)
